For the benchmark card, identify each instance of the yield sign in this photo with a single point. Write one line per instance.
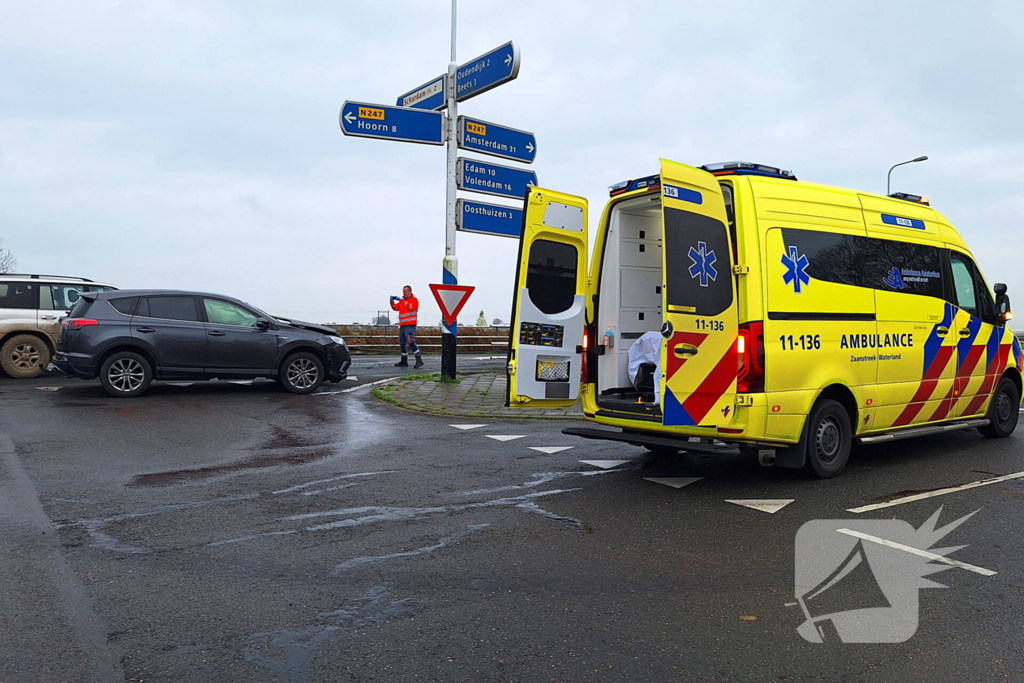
(451, 299)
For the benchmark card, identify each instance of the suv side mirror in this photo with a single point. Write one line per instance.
(263, 323)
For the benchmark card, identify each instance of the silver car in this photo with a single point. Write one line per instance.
(31, 307)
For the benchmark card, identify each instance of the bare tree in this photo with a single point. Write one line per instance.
(7, 260)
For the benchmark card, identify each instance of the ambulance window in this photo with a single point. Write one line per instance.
(551, 275)
(904, 267)
(697, 264)
(963, 284)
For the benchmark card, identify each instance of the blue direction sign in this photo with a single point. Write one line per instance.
(392, 123)
(430, 96)
(488, 219)
(504, 181)
(487, 71)
(500, 141)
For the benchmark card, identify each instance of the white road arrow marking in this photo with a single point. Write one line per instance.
(505, 437)
(769, 506)
(674, 482)
(604, 464)
(550, 449)
(467, 426)
(350, 118)
(529, 147)
(508, 60)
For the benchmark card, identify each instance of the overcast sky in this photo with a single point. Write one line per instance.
(196, 144)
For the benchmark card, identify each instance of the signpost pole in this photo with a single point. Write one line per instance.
(450, 274)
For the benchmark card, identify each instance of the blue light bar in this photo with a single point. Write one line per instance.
(747, 168)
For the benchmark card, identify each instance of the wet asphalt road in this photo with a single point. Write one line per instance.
(227, 532)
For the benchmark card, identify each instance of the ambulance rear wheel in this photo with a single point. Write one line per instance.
(1003, 411)
(828, 439)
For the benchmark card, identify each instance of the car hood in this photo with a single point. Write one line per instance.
(302, 325)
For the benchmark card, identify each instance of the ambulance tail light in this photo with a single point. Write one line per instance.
(750, 363)
(587, 353)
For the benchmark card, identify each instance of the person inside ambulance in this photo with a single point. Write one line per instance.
(643, 354)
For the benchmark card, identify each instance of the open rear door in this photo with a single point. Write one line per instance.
(699, 355)
(549, 305)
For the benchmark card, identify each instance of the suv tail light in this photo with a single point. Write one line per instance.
(77, 323)
(750, 352)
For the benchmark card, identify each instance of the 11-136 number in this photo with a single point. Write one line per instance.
(804, 342)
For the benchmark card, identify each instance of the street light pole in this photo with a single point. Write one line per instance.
(450, 270)
(888, 177)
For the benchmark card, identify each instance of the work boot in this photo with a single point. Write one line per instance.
(404, 363)
(419, 362)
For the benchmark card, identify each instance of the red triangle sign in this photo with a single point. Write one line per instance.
(451, 299)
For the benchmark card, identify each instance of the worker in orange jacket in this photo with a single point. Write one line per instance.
(408, 306)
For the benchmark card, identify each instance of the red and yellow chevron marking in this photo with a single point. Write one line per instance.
(927, 386)
(702, 399)
(994, 371)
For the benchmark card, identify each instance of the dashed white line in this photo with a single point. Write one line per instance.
(938, 492)
(918, 552)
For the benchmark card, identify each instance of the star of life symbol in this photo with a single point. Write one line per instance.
(703, 263)
(796, 269)
(857, 580)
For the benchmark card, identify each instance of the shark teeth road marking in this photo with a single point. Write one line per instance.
(505, 437)
(674, 482)
(604, 464)
(48, 388)
(550, 449)
(464, 427)
(764, 505)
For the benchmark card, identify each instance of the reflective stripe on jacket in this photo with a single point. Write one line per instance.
(407, 310)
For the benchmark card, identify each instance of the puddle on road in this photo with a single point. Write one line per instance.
(357, 562)
(289, 652)
(286, 447)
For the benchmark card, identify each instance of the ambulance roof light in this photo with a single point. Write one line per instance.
(625, 186)
(916, 199)
(747, 168)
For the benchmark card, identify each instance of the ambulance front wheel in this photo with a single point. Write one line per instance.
(828, 439)
(1003, 411)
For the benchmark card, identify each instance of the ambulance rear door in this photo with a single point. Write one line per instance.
(699, 353)
(549, 304)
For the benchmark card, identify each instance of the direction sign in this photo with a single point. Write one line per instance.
(450, 299)
(488, 219)
(487, 71)
(504, 181)
(500, 141)
(430, 96)
(391, 123)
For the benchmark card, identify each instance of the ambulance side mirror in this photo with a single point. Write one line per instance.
(1002, 303)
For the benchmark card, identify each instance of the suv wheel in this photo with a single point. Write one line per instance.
(302, 373)
(125, 374)
(829, 438)
(1003, 411)
(24, 356)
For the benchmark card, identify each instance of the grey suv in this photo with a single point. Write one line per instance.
(129, 338)
(31, 307)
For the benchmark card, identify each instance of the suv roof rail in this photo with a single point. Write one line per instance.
(36, 276)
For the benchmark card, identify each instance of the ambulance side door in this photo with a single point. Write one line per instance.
(981, 356)
(549, 303)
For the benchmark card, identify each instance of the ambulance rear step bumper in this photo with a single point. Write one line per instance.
(922, 431)
(641, 439)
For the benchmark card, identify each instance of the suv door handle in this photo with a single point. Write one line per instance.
(964, 332)
(942, 331)
(684, 350)
(48, 317)
(217, 333)
(145, 330)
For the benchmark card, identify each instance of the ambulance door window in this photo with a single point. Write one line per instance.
(963, 284)
(551, 275)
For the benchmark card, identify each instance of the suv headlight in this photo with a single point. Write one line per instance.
(337, 340)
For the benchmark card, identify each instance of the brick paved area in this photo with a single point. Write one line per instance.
(477, 395)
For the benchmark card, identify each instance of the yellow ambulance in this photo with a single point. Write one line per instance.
(789, 318)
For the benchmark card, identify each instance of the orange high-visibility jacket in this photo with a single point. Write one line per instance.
(407, 310)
